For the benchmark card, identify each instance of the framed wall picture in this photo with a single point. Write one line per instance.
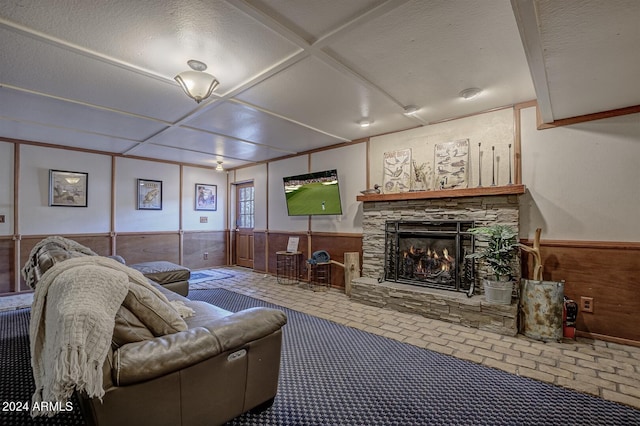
(206, 197)
(68, 189)
(149, 194)
(397, 171)
(452, 164)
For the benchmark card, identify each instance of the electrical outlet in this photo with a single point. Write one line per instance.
(204, 219)
(586, 304)
(206, 255)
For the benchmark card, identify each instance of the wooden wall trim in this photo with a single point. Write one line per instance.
(107, 153)
(176, 232)
(605, 338)
(313, 151)
(336, 234)
(212, 231)
(113, 206)
(367, 167)
(517, 147)
(585, 118)
(16, 188)
(16, 216)
(70, 236)
(617, 245)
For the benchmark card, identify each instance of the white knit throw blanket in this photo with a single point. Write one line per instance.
(72, 320)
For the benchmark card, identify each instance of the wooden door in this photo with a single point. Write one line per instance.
(245, 208)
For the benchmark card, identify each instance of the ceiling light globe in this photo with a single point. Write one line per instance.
(196, 84)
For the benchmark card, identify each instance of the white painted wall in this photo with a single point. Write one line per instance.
(494, 128)
(190, 216)
(6, 188)
(37, 218)
(128, 217)
(258, 175)
(583, 181)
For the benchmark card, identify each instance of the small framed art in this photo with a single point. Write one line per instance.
(68, 189)
(149, 194)
(206, 197)
(452, 164)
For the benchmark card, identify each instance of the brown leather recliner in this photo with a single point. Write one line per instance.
(224, 365)
(221, 366)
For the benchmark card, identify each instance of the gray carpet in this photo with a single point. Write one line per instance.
(336, 375)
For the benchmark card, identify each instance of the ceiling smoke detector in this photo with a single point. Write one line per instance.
(410, 110)
(470, 93)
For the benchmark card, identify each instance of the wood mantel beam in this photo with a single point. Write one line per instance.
(446, 193)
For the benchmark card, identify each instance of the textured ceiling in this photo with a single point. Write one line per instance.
(298, 75)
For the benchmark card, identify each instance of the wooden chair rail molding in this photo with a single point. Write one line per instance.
(446, 193)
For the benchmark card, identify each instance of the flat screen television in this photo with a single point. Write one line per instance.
(315, 193)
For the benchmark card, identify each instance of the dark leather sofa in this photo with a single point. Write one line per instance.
(221, 366)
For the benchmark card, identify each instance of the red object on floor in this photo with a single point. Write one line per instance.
(568, 321)
(569, 332)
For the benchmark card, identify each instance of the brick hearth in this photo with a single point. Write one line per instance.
(443, 305)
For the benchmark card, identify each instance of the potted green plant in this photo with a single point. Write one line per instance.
(499, 255)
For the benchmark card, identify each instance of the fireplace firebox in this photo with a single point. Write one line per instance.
(430, 254)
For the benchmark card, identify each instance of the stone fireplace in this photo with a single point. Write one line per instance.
(392, 225)
(429, 253)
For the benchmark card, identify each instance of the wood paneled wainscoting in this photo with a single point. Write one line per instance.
(186, 248)
(99, 243)
(7, 265)
(608, 272)
(337, 245)
(148, 246)
(267, 243)
(205, 249)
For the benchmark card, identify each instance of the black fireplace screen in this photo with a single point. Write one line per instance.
(429, 254)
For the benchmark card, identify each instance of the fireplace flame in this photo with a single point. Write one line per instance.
(427, 261)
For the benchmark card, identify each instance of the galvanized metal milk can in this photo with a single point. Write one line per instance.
(541, 304)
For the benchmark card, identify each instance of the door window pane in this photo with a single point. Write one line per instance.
(246, 207)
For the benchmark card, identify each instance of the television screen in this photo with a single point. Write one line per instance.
(313, 193)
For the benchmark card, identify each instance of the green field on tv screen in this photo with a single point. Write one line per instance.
(314, 198)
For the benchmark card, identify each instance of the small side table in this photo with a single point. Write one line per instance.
(288, 267)
(320, 275)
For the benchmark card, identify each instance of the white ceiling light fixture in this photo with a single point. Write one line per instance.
(219, 167)
(364, 123)
(197, 84)
(470, 93)
(411, 110)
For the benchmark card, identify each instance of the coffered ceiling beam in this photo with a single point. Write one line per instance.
(527, 21)
(316, 50)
